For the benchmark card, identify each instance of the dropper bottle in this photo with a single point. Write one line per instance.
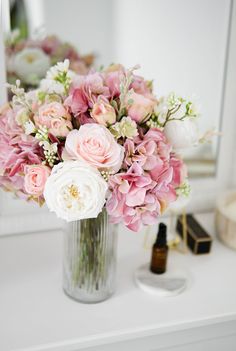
(159, 251)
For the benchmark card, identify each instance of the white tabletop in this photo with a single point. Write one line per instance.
(36, 315)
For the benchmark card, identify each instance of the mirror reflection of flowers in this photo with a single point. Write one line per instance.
(30, 59)
(82, 142)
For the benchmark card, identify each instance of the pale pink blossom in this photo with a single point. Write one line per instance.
(140, 107)
(95, 144)
(55, 117)
(35, 178)
(103, 113)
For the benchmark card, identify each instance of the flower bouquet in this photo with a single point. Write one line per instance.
(29, 59)
(98, 148)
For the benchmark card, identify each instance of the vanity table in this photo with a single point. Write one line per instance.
(35, 314)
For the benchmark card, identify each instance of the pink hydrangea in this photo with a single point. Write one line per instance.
(142, 193)
(17, 150)
(151, 151)
(136, 199)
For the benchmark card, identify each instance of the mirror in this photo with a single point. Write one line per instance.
(181, 44)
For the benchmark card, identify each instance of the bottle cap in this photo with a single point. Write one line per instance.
(161, 235)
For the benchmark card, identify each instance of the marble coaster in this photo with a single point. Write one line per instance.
(171, 283)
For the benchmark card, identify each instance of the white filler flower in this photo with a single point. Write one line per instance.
(75, 190)
(31, 64)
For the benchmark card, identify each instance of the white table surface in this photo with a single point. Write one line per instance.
(36, 315)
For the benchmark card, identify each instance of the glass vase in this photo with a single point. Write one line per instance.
(89, 264)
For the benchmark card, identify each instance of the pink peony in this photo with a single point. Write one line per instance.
(95, 144)
(35, 178)
(55, 117)
(103, 113)
(140, 108)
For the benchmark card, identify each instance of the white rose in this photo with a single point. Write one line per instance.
(75, 190)
(31, 64)
(181, 134)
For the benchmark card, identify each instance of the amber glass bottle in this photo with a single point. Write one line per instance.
(159, 251)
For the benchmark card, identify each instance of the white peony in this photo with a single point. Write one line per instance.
(31, 64)
(182, 134)
(75, 190)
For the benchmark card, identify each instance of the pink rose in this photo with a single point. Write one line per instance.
(60, 127)
(103, 113)
(35, 179)
(94, 144)
(140, 107)
(55, 117)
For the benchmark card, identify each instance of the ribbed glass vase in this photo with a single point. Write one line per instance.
(89, 264)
